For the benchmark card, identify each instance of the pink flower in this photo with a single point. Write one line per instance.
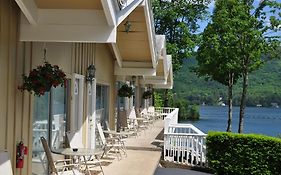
(41, 90)
(48, 76)
(33, 73)
(35, 81)
(61, 74)
(55, 83)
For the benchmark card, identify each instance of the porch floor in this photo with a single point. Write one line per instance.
(149, 139)
(138, 162)
(143, 153)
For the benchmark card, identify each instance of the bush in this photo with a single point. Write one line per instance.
(158, 100)
(186, 110)
(243, 154)
(193, 112)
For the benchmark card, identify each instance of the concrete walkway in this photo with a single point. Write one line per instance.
(143, 154)
(148, 139)
(137, 162)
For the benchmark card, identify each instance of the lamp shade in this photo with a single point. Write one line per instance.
(91, 73)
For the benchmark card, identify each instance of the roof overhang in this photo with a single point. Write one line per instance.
(72, 20)
(169, 84)
(136, 70)
(135, 49)
(163, 78)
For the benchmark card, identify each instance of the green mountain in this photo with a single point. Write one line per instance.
(264, 86)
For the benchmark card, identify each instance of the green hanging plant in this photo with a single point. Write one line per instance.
(42, 79)
(147, 94)
(125, 91)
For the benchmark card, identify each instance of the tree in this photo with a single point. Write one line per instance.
(235, 42)
(257, 37)
(178, 21)
(215, 56)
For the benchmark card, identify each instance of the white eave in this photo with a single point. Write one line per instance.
(72, 25)
(137, 70)
(151, 31)
(161, 82)
(65, 25)
(169, 84)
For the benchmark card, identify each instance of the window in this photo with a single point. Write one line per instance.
(49, 121)
(58, 117)
(102, 104)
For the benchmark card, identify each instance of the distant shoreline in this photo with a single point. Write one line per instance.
(259, 120)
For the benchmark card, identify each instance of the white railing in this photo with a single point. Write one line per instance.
(183, 143)
(187, 149)
(164, 111)
(171, 118)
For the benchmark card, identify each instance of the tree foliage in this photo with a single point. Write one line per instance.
(178, 21)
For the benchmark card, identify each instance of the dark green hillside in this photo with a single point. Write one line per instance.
(264, 86)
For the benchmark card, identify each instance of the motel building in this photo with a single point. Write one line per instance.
(100, 45)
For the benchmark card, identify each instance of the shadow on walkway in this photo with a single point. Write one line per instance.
(169, 171)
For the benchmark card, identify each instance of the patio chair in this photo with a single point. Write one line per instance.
(75, 141)
(120, 138)
(5, 163)
(110, 143)
(66, 167)
(151, 111)
(139, 125)
(148, 119)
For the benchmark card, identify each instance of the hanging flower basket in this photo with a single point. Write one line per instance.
(125, 91)
(147, 94)
(42, 79)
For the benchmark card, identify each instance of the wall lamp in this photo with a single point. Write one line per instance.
(91, 73)
(134, 78)
(149, 87)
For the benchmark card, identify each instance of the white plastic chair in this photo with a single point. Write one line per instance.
(151, 111)
(59, 167)
(119, 138)
(110, 143)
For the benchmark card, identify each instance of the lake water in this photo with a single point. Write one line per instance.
(259, 120)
